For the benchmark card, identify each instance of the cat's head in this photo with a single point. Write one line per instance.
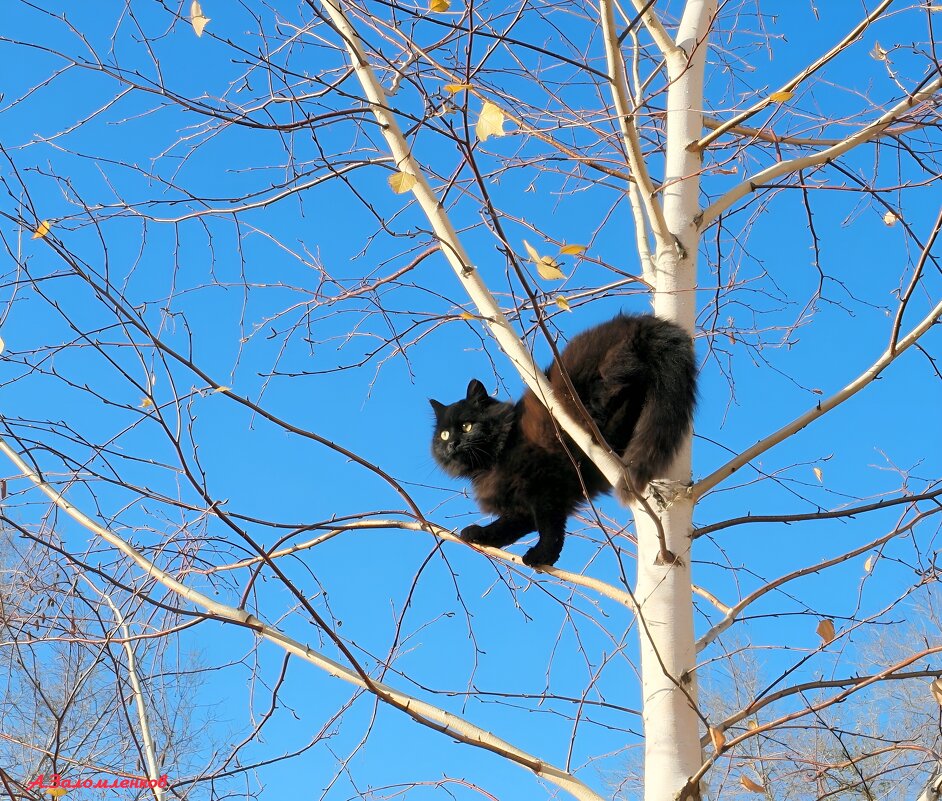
(470, 434)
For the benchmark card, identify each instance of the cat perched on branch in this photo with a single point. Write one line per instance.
(635, 376)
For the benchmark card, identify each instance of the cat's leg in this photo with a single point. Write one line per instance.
(551, 524)
(501, 532)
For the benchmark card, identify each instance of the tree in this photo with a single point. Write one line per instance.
(219, 340)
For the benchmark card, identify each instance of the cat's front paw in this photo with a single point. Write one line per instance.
(472, 533)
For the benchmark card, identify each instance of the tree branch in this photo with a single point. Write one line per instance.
(620, 96)
(736, 610)
(458, 258)
(421, 711)
(706, 484)
(850, 511)
(791, 84)
(865, 134)
(605, 589)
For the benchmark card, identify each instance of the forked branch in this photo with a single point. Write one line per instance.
(865, 134)
(454, 251)
(421, 711)
(869, 375)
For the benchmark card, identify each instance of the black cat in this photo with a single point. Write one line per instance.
(635, 375)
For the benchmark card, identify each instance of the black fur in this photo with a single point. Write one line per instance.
(635, 375)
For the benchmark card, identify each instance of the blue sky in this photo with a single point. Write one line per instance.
(236, 293)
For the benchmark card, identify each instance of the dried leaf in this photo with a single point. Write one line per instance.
(401, 182)
(454, 88)
(197, 19)
(818, 474)
(935, 687)
(222, 389)
(439, 6)
(146, 403)
(563, 303)
(490, 122)
(466, 316)
(717, 738)
(750, 785)
(781, 97)
(878, 53)
(868, 565)
(42, 229)
(752, 725)
(890, 218)
(546, 266)
(572, 250)
(825, 630)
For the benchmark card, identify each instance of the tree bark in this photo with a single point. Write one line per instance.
(671, 719)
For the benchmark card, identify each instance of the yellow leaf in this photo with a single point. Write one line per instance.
(401, 182)
(819, 474)
(454, 88)
(717, 738)
(936, 689)
(781, 97)
(466, 316)
(868, 565)
(531, 251)
(42, 229)
(146, 403)
(490, 122)
(752, 725)
(572, 250)
(222, 389)
(878, 53)
(825, 630)
(56, 792)
(439, 6)
(197, 19)
(546, 266)
(890, 218)
(750, 785)
(563, 303)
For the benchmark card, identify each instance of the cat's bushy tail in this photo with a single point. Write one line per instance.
(670, 366)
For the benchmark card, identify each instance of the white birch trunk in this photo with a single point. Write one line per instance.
(933, 789)
(671, 721)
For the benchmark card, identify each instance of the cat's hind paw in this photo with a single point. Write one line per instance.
(537, 557)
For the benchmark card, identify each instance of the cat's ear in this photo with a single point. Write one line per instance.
(437, 407)
(477, 392)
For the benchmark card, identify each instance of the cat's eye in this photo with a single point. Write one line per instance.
(445, 434)
(466, 427)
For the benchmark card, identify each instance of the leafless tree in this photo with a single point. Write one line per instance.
(244, 242)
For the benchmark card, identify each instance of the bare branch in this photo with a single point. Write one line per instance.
(888, 357)
(791, 84)
(423, 712)
(620, 96)
(458, 258)
(865, 134)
